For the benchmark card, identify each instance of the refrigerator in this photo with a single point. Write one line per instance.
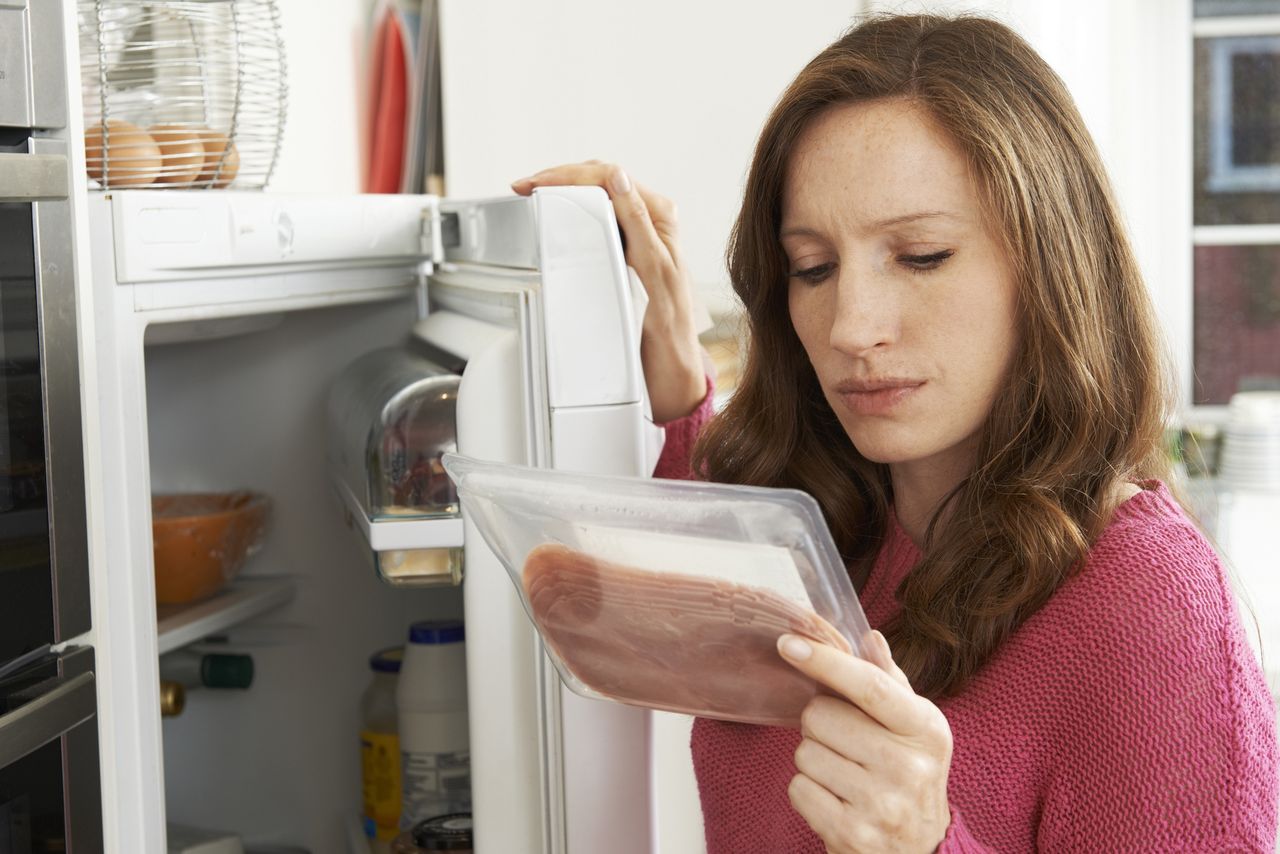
(221, 320)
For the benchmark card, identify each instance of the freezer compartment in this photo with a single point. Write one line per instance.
(391, 417)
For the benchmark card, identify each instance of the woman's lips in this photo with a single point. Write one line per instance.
(877, 401)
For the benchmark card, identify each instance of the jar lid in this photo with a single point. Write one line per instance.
(436, 631)
(387, 660)
(444, 832)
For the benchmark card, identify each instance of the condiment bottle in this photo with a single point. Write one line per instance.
(380, 748)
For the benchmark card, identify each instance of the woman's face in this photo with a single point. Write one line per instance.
(903, 300)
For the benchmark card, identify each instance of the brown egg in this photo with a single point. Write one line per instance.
(181, 153)
(214, 145)
(128, 155)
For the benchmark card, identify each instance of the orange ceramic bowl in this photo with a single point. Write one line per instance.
(202, 540)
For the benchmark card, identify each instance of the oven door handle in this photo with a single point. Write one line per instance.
(33, 177)
(53, 713)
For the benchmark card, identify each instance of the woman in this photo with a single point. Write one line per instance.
(952, 349)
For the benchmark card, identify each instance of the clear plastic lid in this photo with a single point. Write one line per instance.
(667, 594)
(391, 417)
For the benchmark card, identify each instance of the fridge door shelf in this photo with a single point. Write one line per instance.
(179, 625)
(409, 550)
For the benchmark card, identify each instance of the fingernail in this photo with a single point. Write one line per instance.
(528, 180)
(619, 183)
(880, 652)
(794, 648)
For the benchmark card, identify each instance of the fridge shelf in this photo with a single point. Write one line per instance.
(179, 625)
(410, 533)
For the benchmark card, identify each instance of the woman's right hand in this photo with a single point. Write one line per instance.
(669, 348)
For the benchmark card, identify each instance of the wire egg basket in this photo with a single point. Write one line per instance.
(182, 94)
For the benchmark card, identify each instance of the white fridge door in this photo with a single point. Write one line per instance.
(534, 295)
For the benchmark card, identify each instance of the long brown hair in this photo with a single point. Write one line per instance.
(1084, 406)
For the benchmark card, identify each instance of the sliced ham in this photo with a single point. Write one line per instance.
(672, 641)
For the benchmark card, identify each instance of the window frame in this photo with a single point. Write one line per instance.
(1224, 26)
(1225, 175)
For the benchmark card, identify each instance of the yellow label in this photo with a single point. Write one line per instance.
(380, 760)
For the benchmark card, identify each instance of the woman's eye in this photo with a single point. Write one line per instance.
(924, 263)
(814, 275)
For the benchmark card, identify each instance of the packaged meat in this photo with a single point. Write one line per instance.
(664, 594)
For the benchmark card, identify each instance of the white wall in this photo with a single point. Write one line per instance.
(318, 150)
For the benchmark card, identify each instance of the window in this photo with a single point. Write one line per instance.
(1236, 271)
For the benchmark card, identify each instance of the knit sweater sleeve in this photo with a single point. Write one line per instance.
(681, 434)
(1167, 731)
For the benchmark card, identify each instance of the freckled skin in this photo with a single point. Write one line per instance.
(949, 322)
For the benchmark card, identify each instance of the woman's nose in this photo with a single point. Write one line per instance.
(865, 314)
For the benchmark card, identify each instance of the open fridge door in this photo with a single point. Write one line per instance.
(534, 307)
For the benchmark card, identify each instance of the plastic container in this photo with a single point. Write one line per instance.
(667, 594)
(380, 747)
(451, 833)
(431, 705)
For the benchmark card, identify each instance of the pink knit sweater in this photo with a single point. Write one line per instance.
(1128, 714)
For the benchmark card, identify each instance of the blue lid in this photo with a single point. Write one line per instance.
(387, 660)
(436, 631)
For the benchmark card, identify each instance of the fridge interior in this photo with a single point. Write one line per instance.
(279, 763)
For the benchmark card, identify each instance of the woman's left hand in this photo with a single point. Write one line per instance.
(874, 760)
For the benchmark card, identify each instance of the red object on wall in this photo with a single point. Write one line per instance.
(389, 80)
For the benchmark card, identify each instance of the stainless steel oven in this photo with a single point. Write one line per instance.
(44, 576)
(49, 777)
(50, 800)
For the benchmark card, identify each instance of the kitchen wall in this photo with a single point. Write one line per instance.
(318, 151)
